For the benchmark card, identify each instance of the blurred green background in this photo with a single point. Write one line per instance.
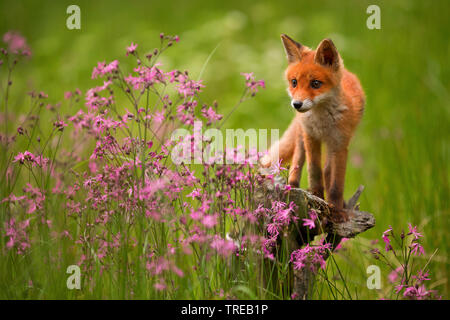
(401, 149)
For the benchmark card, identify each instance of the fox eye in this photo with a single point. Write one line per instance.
(294, 83)
(315, 84)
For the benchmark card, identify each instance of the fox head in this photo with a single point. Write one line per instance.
(313, 75)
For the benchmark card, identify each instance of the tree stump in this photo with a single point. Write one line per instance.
(358, 222)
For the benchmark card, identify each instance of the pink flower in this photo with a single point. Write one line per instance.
(196, 214)
(413, 231)
(112, 67)
(211, 115)
(160, 286)
(12, 198)
(158, 266)
(253, 84)
(102, 69)
(19, 158)
(18, 236)
(282, 214)
(312, 256)
(309, 223)
(66, 234)
(16, 43)
(248, 76)
(68, 95)
(188, 88)
(131, 49)
(222, 246)
(177, 271)
(416, 292)
(127, 116)
(60, 125)
(339, 246)
(421, 276)
(313, 214)
(158, 117)
(98, 70)
(399, 288)
(209, 221)
(10, 243)
(417, 249)
(94, 101)
(277, 168)
(194, 194)
(393, 276)
(386, 239)
(31, 159)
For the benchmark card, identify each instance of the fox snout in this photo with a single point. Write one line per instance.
(301, 106)
(297, 104)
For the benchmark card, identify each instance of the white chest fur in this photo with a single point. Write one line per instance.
(321, 122)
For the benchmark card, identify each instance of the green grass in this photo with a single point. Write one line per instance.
(401, 151)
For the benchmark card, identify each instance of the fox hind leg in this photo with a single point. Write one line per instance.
(335, 191)
(327, 173)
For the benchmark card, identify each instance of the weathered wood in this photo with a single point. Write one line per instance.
(358, 222)
(353, 201)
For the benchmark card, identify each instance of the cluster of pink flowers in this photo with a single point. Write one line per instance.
(17, 235)
(31, 204)
(146, 77)
(16, 43)
(223, 247)
(253, 84)
(32, 201)
(415, 246)
(409, 284)
(158, 190)
(278, 219)
(31, 159)
(416, 289)
(311, 256)
(210, 115)
(188, 87)
(103, 69)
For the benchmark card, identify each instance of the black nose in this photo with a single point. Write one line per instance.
(297, 104)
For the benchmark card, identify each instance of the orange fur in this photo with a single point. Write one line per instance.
(328, 113)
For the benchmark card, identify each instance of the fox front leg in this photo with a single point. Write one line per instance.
(298, 160)
(313, 158)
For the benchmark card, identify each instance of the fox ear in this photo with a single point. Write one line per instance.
(293, 49)
(327, 54)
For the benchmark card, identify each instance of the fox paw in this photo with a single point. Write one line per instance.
(317, 193)
(265, 162)
(294, 183)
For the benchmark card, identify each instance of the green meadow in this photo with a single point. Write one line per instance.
(401, 150)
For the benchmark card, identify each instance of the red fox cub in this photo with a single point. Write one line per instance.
(329, 102)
